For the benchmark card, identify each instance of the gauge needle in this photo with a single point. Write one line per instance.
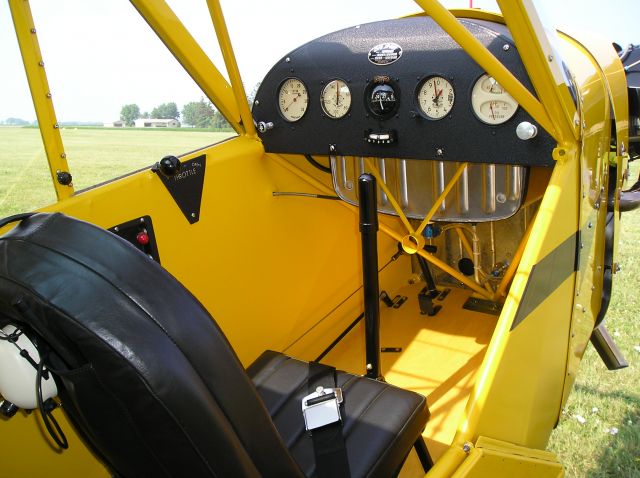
(295, 98)
(491, 108)
(381, 105)
(337, 95)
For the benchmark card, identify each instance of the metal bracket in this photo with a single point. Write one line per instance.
(321, 407)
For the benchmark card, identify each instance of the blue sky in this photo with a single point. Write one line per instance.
(101, 55)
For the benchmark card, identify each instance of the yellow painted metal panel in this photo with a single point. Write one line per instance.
(490, 458)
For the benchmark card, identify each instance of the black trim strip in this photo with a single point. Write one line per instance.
(546, 276)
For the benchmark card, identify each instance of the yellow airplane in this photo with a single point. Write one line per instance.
(430, 205)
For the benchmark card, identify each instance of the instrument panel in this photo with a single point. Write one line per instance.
(398, 88)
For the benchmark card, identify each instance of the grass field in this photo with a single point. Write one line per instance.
(599, 433)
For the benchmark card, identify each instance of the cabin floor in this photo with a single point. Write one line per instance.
(438, 357)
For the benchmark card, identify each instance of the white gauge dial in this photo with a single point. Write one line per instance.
(336, 99)
(490, 102)
(293, 99)
(436, 97)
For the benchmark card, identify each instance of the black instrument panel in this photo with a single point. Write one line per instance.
(386, 71)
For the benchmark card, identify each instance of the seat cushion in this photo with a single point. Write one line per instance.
(380, 422)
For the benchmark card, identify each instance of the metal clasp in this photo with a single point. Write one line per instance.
(321, 407)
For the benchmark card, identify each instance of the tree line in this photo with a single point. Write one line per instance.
(199, 114)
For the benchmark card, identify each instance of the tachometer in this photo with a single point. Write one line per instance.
(336, 99)
(435, 97)
(490, 102)
(293, 99)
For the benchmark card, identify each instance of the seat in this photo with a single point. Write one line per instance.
(150, 381)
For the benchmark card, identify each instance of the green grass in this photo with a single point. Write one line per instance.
(95, 155)
(587, 450)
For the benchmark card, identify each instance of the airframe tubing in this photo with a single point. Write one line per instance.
(544, 70)
(385, 228)
(194, 60)
(490, 63)
(220, 26)
(441, 198)
(39, 86)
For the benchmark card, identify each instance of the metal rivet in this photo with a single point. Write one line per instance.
(193, 214)
(332, 148)
(369, 366)
(63, 155)
(590, 225)
(466, 447)
(116, 228)
(439, 152)
(287, 59)
(506, 47)
(142, 220)
(41, 63)
(550, 58)
(56, 126)
(256, 102)
(33, 30)
(48, 95)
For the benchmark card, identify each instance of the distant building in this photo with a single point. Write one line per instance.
(156, 123)
(115, 124)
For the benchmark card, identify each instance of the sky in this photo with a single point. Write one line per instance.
(100, 55)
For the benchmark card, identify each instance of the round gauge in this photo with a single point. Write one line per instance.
(435, 97)
(383, 100)
(293, 99)
(336, 99)
(490, 102)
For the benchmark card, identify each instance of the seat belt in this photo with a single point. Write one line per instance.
(321, 411)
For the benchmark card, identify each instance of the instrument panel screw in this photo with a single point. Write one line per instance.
(287, 59)
(56, 126)
(48, 95)
(193, 215)
(63, 155)
(256, 102)
(506, 47)
(332, 148)
(439, 152)
(369, 366)
(550, 58)
(466, 447)
(41, 63)
(33, 30)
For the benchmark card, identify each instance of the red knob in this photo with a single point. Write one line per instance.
(142, 238)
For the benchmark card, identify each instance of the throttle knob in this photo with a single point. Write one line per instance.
(169, 166)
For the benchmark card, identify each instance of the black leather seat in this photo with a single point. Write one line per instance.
(150, 381)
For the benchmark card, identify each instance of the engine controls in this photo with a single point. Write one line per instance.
(139, 232)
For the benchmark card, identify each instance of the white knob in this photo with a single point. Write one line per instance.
(526, 130)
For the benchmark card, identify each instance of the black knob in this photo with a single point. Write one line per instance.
(169, 166)
(64, 177)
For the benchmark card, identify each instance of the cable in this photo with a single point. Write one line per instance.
(316, 164)
(47, 417)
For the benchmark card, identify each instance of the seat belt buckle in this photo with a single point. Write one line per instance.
(321, 407)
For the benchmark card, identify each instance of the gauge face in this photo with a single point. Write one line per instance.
(436, 97)
(490, 102)
(383, 100)
(293, 99)
(336, 99)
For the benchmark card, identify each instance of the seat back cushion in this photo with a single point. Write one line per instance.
(144, 373)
